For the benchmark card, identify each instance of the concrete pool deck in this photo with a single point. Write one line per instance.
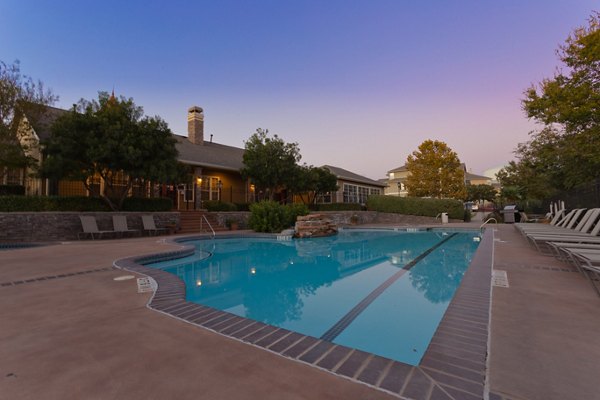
(80, 334)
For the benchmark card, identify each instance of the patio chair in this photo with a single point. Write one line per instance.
(149, 226)
(120, 225)
(583, 226)
(588, 263)
(539, 239)
(90, 227)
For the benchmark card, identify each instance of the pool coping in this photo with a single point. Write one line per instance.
(453, 367)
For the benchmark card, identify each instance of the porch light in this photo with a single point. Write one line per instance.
(252, 188)
(199, 181)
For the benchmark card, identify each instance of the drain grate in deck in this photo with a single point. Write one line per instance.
(499, 278)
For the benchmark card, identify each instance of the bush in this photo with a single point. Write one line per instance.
(337, 207)
(12, 190)
(79, 203)
(153, 204)
(213, 205)
(51, 203)
(267, 216)
(416, 206)
(242, 206)
(293, 211)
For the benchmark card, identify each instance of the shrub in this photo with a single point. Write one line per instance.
(79, 203)
(213, 205)
(416, 206)
(293, 211)
(153, 204)
(242, 206)
(8, 190)
(267, 216)
(337, 207)
(51, 203)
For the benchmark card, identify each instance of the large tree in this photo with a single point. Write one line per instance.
(565, 152)
(270, 163)
(19, 95)
(111, 139)
(481, 193)
(313, 182)
(435, 171)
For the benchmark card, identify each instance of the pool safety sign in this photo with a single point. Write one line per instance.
(146, 285)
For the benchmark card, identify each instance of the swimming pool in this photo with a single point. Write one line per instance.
(380, 291)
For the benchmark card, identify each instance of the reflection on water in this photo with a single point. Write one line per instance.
(271, 281)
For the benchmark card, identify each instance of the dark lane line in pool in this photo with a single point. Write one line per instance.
(347, 319)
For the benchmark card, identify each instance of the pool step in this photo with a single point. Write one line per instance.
(192, 222)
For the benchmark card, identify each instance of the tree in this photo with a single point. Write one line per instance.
(270, 163)
(313, 182)
(110, 139)
(565, 152)
(480, 193)
(19, 95)
(435, 171)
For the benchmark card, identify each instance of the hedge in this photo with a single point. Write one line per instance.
(337, 207)
(8, 190)
(212, 205)
(416, 206)
(270, 216)
(80, 203)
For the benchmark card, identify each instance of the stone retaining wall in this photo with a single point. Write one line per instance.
(58, 226)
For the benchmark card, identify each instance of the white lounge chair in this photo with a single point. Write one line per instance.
(150, 226)
(120, 225)
(90, 227)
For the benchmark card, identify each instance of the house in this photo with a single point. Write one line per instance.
(215, 167)
(352, 188)
(396, 180)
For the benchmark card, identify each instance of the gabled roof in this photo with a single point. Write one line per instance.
(42, 121)
(398, 169)
(469, 176)
(209, 154)
(352, 177)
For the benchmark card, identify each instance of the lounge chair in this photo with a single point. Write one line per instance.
(538, 239)
(120, 225)
(90, 227)
(588, 263)
(149, 226)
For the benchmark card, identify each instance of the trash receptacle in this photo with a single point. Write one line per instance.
(444, 218)
(509, 214)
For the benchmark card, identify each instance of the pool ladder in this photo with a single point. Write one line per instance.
(488, 220)
(207, 223)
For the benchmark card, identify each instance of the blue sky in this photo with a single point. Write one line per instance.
(358, 84)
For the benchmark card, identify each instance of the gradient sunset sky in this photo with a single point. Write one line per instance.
(358, 84)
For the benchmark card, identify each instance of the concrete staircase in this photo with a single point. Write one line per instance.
(191, 221)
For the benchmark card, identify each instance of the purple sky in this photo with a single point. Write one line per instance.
(358, 84)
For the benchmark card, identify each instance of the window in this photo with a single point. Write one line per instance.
(358, 194)
(13, 177)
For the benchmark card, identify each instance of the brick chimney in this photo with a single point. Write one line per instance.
(196, 125)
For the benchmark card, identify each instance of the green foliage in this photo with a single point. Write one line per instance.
(416, 206)
(270, 216)
(19, 95)
(78, 203)
(147, 204)
(269, 162)
(7, 190)
(435, 171)
(294, 210)
(110, 139)
(480, 193)
(337, 207)
(312, 182)
(213, 205)
(51, 203)
(267, 216)
(242, 206)
(566, 151)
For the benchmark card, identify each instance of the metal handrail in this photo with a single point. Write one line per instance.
(209, 225)
(488, 220)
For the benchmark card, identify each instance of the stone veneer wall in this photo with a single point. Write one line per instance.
(374, 217)
(53, 226)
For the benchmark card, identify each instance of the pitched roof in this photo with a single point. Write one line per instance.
(42, 121)
(469, 176)
(398, 169)
(209, 154)
(351, 176)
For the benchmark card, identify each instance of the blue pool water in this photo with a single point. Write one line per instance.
(383, 292)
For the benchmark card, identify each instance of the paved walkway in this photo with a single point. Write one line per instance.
(77, 333)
